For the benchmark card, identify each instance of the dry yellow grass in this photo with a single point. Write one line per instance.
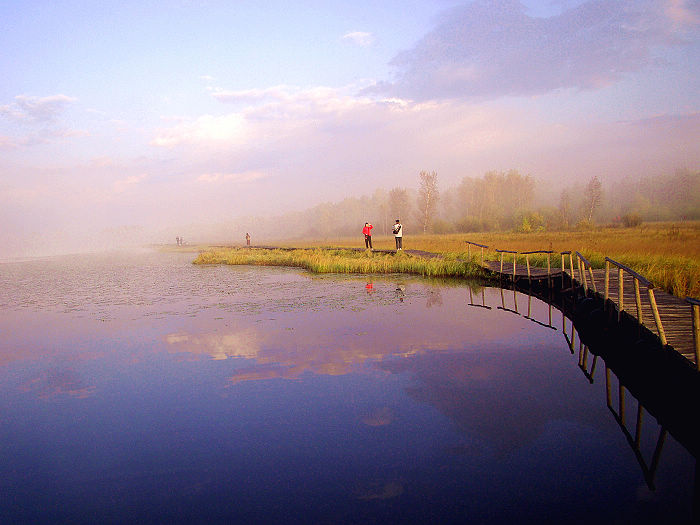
(668, 254)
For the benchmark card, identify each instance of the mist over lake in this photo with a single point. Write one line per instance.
(140, 387)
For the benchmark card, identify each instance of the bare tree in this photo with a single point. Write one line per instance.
(594, 196)
(427, 198)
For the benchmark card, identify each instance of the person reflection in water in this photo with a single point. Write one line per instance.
(370, 288)
(400, 292)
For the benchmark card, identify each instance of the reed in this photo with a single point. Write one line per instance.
(321, 260)
(668, 254)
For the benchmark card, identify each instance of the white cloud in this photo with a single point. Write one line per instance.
(361, 38)
(123, 184)
(682, 13)
(7, 143)
(280, 92)
(204, 130)
(247, 176)
(36, 109)
(266, 115)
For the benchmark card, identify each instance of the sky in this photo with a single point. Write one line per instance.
(146, 116)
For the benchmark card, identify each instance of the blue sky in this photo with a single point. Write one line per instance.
(159, 114)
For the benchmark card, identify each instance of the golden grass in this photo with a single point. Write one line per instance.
(668, 254)
(342, 261)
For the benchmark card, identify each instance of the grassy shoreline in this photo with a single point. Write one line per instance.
(325, 260)
(667, 254)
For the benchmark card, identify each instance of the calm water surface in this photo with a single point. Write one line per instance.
(144, 388)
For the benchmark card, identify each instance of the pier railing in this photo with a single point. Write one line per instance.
(482, 246)
(695, 309)
(549, 262)
(636, 280)
(515, 265)
(585, 270)
(582, 277)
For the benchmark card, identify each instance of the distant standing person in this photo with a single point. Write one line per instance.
(398, 235)
(247, 239)
(367, 231)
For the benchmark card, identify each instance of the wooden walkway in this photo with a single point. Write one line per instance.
(676, 314)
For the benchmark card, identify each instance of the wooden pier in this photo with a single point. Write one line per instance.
(675, 321)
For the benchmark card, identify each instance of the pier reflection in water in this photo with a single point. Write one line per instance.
(148, 389)
(617, 399)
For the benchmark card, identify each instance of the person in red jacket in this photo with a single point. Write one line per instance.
(367, 231)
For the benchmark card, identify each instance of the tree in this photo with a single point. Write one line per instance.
(495, 200)
(427, 198)
(594, 196)
(565, 207)
(398, 202)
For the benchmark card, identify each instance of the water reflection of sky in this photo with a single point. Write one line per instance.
(146, 387)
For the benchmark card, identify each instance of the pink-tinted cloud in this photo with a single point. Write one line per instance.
(32, 109)
(360, 38)
(494, 48)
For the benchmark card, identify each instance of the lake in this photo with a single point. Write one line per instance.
(139, 387)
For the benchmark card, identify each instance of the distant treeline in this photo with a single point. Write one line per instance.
(496, 201)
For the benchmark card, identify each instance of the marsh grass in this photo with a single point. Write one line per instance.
(668, 254)
(322, 260)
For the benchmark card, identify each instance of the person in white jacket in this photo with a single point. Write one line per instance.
(398, 235)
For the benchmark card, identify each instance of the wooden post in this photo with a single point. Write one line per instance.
(582, 269)
(656, 456)
(469, 250)
(620, 298)
(527, 262)
(514, 266)
(590, 271)
(607, 283)
(696, 333)
(563, 271)
(621, 402)
(571, 266)
(657, 317)
(549, 271)
(638, 299)
(595, 360)
(608, 393)
(482, 256)
(580, 273)
(501, 262)
(638, 430)
(657, 451)
(563, 324)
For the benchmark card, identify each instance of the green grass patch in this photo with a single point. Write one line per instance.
(343, 261)
(668, 254)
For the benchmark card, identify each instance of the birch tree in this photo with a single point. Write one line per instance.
(427, 198)
(594, 196)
